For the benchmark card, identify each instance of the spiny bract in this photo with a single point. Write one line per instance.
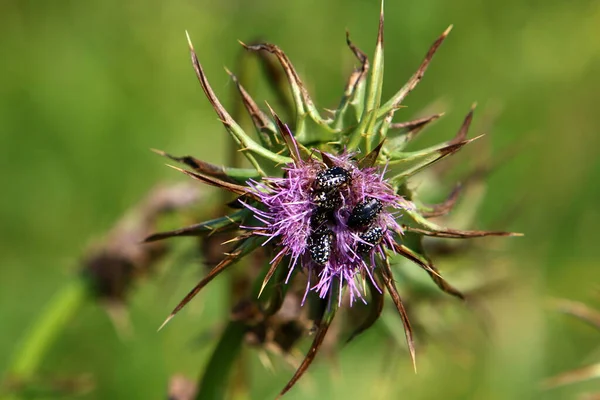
(329, 195)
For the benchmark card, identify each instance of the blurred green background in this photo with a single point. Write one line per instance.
(88, 87)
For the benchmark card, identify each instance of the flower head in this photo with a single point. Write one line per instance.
(329, 196)
(315, 227)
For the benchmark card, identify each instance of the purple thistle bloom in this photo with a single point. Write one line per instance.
(289, 209)
(335, 216)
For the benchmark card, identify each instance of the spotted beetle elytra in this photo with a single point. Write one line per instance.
(365, 213)
(331, 179)
(327, 187)
(319, 245)
(327, 200)
(371, 238)
(319, 217)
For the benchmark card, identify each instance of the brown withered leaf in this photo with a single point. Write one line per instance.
(359, 73)
(430, 269)
(326, 159)
(416, 126)
(446, 206)
(271, 271)
(241, 249)
(293, 146)
(370, 159)
(457, 233)
(388, 280)
(192, 230)
(232, 187)
(461, 135)
(199, 166)
(300, 98)
(275, 78)
(379, 42)
(246, 143)
(210, 94)
(440, 154)
(259, 118)
(453, 146)
(417, 76)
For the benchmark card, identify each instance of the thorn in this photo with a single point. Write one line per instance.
(170, 317)
(270, 272)
(264, 285)
(380, 33)
(364, 285)
(176, 168)
(414, 362)
(474, 139)
(269, 107)
(235, 239)
(447, 31)
(189, 40)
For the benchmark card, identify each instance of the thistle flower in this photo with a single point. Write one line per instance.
(329, 196)
(296, 219)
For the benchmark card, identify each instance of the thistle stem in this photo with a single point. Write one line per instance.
(214, 379)
(213, 383)
(43, 333)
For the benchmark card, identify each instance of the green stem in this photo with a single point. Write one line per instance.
(214, 380)
(43, 333)
(213, 384)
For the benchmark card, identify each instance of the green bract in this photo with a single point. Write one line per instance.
(363, 124)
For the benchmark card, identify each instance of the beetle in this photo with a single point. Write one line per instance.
(331, 179)
(327, 200)
(365, 212)
(371, 238)
(320, 216)
(326, 188)
(319, 245)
